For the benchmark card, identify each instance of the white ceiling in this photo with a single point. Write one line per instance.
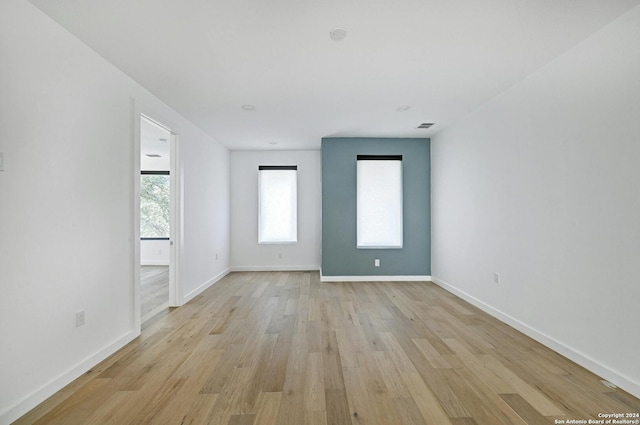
(207, 58)
(154, 140)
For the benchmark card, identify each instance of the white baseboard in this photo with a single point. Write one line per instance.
(200, 289)
(274, 268)
(550, 342)
(56, 384)
(414, 278)
(154, 263)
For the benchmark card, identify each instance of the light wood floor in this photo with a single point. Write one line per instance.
(283, 348)
(154, 290)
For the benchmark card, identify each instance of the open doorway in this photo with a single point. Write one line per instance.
(156, 197)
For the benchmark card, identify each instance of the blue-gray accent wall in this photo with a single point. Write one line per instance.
(340, 257)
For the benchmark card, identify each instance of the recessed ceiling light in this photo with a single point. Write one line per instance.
(425, 125)
(153, 155)
(273, 142)
(338, 34)
(248, 107)
(403, 108)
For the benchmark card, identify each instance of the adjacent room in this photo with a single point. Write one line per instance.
(155, 218)
(331, 213)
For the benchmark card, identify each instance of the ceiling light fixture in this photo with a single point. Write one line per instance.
(248, 107)
(153, 155)
(163, 140)
(425, 125)
(403, 108)
(338, 34)
(273, 142)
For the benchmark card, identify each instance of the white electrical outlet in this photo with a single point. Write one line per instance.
(376, 262)
(496, 278)
(79, 318)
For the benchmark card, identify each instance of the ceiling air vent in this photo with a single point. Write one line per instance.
(153, 155)
(425, 125)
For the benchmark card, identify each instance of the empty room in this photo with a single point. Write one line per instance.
(324, 213)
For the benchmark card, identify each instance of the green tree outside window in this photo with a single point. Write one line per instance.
(154, 206)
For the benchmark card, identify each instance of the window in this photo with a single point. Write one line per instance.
(379, 201)
(154, 205)
(278, 204)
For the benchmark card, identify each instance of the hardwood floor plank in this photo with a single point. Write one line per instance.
(534, 397)
(187, 405)
(315, 417)
(267, 408)
(314, 384)
(631, 404)
(431, 410)
(391, 376)
(292, 403)
(481, 401)
(80, 405)
(333, 378)
(104, 414)
(260, 376)
(361, 408)
(397, 353)
(463, 421)
(487, 376)
(345, 338)
(408, 411)
(150, 404)
(154, 290)
(527, 412)
(223, 371)
(283, 348)
(277, 369)
(337, 407)
(431, 354)
(242, 419)
(436, 380)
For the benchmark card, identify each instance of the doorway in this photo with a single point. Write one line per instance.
(157, 218)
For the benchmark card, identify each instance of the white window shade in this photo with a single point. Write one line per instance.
(278, 203)
(379, 202)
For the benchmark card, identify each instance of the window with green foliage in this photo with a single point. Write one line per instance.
(154, 205)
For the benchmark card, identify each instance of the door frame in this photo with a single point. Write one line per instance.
(175, 226)
(175, 211)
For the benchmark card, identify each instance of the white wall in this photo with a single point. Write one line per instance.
(206, 236)
(541, 184)
(246, 253)
(154, 252)
(67, 238)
